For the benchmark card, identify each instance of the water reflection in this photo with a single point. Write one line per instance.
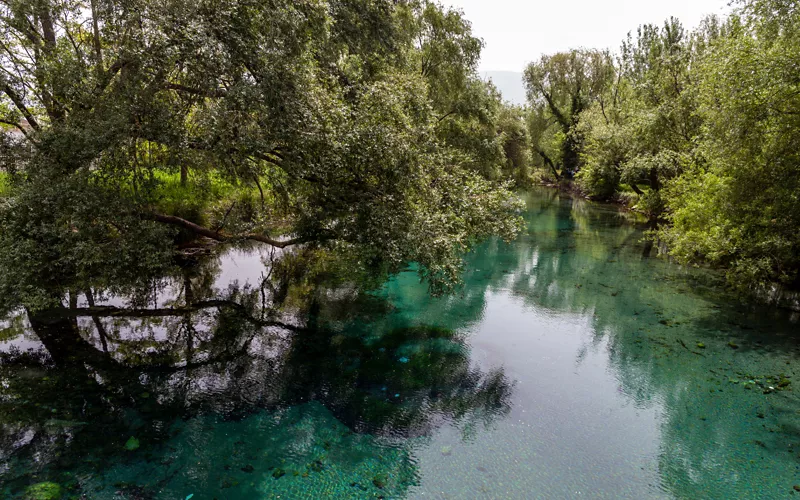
(117, 397)
(700, 384)
(718, 373)
(569, 364)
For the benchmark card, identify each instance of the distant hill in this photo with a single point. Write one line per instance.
(509, 83)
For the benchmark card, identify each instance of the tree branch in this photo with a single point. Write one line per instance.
(445, 116)
(20, 104)
(218, 235)
(96, 42)
(108, 76)
(562, 120)
(19, 127)
(548, 161)
(213, 94)
(121, 312)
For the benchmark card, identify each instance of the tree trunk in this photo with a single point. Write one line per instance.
(652, 225)
(549, 162)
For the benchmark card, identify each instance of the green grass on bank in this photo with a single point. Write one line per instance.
(5, 184)
(194, 199)
(206, 198)
(215, 201)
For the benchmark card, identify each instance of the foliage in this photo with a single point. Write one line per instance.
(702, 126)
(516, 144)
(743, 210)
(5, 185)
(644, 132)
(357, 121)
(44, 491)
(560, 87)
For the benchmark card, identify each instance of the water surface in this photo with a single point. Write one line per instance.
(570, 365)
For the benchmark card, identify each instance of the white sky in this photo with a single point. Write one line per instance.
(519, 31)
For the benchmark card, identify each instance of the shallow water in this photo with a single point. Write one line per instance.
(568, 366)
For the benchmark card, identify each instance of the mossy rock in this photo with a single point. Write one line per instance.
(44, 491)
(132, 444)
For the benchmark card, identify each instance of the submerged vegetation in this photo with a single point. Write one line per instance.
(699, 130)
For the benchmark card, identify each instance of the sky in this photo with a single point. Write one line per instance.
(519, 31)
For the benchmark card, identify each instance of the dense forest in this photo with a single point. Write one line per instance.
(698, 130)
(135, 129)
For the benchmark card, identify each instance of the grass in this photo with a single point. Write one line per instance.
(192, 200)
(5, 184)
(206, 198)
(212, 200)
(208, 187)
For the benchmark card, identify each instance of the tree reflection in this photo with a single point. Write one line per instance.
(402, 383)
(344, 380)
(676, 342)
(107, 369)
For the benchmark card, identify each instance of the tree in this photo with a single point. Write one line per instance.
(560, 87)
(644, 131)
(516, 144)
(467, 109)
(316, 100)
(741, 210)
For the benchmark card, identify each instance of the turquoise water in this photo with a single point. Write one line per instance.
(569, 365)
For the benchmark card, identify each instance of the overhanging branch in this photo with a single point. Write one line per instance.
(219, 235)
(18, 127)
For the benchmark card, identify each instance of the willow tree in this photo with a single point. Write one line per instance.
(643, 133)
(560, 87)
(321, 99)
(467, 108)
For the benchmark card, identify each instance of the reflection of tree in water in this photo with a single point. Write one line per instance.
(209, 353)
(402, 383)
(106, 373)
(668, 332)
(649, 318)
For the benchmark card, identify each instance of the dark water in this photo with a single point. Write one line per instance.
(569, 366)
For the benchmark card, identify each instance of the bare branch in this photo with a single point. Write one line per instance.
(450, 113)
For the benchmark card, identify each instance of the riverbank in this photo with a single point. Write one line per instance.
(773, 294)
(625, 200)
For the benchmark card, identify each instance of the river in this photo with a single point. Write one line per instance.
(569, 365)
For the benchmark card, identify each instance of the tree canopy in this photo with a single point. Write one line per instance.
(361, 124)
(696, 129)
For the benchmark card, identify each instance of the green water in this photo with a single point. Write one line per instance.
(568, 366)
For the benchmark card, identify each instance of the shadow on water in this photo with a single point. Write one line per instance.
(220, 391)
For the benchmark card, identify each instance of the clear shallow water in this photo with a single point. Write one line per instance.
(569, 366)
